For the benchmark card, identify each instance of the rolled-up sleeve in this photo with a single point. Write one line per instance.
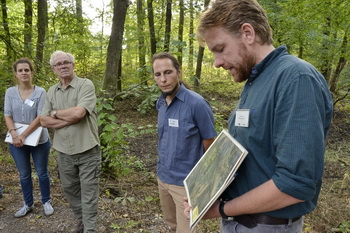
(299, 138)
(87, 96)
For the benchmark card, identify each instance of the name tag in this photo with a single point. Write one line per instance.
(173, 122)
(242, 118)
(29, 102)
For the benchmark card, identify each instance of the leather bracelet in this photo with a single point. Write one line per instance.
(221, 210)
(11, 130)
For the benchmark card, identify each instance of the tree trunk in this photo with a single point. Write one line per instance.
(181, 31)
(199, 66)
(191, 40)
(200, 57)
(340, 66)
(151, 26)
(103, 12)
(42, 27)
(326, 68)
(7, 37)
(167, 26)
(119, 76)
(141, 40)
(301, 50)
(114, 50)
(28, 27)
(79, 9)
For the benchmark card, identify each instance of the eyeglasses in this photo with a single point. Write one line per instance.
(65, 63)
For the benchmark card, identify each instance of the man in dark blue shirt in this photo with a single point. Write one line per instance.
(186, 129)
(282, 119)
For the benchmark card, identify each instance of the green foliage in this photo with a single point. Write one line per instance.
(115, 226)
(126, 225)
(5, 82)
(314, 30)
(149, 199)
(115, 157)
(124, 200)
(343, 227)
(222, 94)
(220, 122)
(150, 99)
(149, 96)
(113, 144)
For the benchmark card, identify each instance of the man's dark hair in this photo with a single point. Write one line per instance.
(163, 55)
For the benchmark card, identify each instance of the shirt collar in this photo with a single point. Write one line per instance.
(72, 84)
(260, 67)
(180, 95)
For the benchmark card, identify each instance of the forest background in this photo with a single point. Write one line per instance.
(116, 57)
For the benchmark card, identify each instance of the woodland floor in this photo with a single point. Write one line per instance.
(130, 203)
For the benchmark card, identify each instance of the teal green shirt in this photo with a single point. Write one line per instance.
(81, 136)
(290, 110)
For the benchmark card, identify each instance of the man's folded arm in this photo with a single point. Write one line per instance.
(49, 122)
(72, 115)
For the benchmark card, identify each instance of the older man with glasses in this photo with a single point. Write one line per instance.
(70, 109)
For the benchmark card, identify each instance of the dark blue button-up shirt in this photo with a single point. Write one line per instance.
(290, 110)
(182, 127)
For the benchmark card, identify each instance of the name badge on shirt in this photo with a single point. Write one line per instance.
(173, 122)
(242, 118)
(29, 102)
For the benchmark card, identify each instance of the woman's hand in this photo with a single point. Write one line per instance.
(18, 141)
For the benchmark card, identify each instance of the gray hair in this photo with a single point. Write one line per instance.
(59, 52)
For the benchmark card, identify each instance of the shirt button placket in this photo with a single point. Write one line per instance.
(22, 113)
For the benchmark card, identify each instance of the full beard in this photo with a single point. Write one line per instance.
(244, 68)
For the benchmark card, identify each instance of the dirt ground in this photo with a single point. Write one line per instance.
(130, 203)
(127, 204)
